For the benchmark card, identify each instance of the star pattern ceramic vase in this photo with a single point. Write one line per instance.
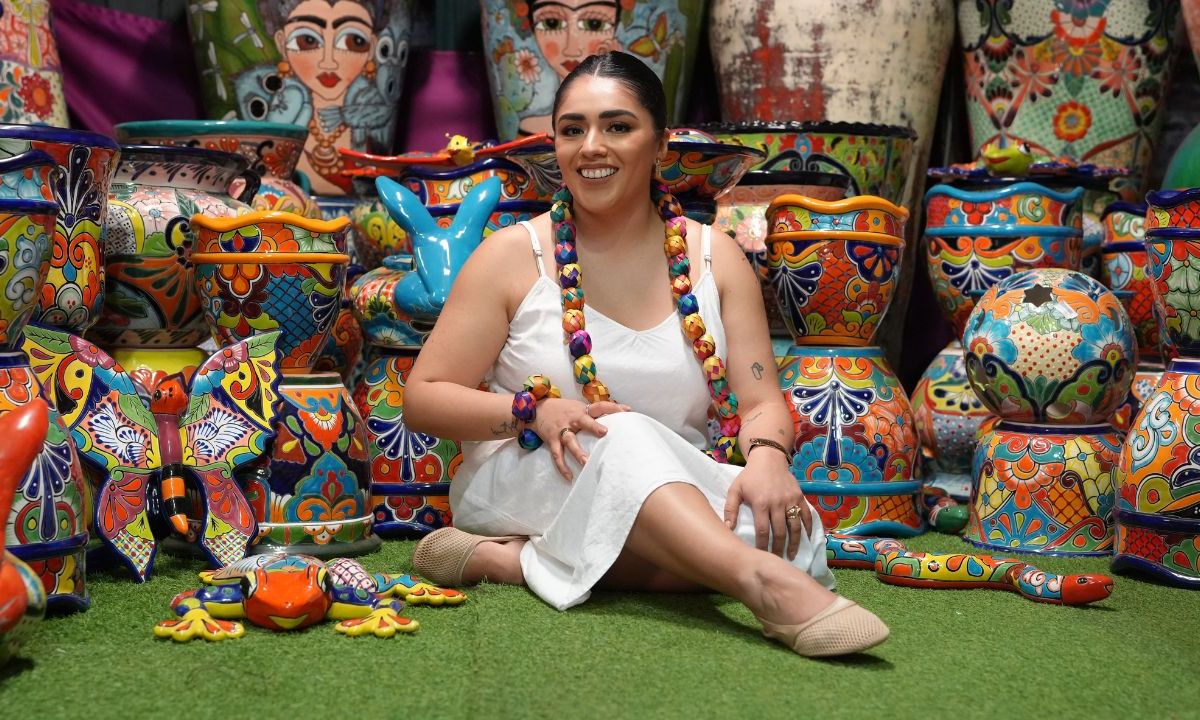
(31, 84)
(876, 159)
(336, 69)
(150, 299)
(855, 442)
(73, 294)
(976, 238)
(836, 60)
(1158, 502)
(273, 150)
(410, 471)
(948, 415)
(1044, 489)
(1081, 79)
(1123, 270)
(834, 266)
(531, 45)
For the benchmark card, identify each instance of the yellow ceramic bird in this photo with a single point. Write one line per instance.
(1007, 159)
(462, 151)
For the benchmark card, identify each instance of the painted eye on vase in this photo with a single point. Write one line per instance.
(596, 25)
(352, 40)
(303, 40)
(549, 23)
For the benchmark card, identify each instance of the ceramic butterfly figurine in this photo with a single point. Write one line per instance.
(150, 450)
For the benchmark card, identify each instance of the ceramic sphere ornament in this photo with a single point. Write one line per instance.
(1050, 346)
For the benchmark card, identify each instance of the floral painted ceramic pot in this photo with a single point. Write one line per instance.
(1044, 489)
(311, 496)
(834, 265)
(976, 238)
(150, 298)
(376, 234)
(948, 415)
(335, 68)
(1085, 79)
(410, 471)
(1158, 503)
(26, 227)
(48, 524)
(877, 159)
(531, 45)
(272, 271)
(73, 294)
(1123, 269)
(384, 322)
(1172, 246)
(29, 65)
(1145, 381)
(273, 150)
(343, 353)
(1050, 347)
(26, 174)
(1179, 209)
(856, 442)
(794, 60)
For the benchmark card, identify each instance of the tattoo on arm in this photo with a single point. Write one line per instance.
(752, 418)
(757, 369)
(505, 428)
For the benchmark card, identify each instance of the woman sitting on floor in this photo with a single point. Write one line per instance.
(620, 493)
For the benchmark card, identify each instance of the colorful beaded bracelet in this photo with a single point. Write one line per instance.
(524, 407)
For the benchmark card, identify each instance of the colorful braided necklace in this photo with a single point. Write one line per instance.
(703, 346)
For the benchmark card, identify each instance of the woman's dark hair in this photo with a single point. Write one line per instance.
(635, 75)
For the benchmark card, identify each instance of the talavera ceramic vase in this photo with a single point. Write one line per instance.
(150, 299)
(531, 45)
(73, 294)
(31, 89)
(1123, 270)
(47, 526)
(948, 415)
(1084, 80)
(280, 271)
(834, 266)
(1172, 247)
(336, 69)
(855, 443)
(273, 150)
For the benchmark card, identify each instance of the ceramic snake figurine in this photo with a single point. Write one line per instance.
(896, 565)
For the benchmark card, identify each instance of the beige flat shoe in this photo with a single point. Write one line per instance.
(840, 629)
(442, 555)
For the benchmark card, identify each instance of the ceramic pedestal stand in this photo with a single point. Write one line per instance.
(1050, 352)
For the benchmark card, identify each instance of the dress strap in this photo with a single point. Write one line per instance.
(706, 246)
(537, 246)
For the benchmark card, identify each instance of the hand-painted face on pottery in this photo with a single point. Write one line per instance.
(567, 31)
(606, 145)
(327, 45)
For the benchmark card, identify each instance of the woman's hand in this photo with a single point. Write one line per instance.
(769, 488)
(559, 420)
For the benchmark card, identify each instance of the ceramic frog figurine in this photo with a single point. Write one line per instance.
(289, 592)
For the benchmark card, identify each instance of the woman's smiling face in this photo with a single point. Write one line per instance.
(606, 144)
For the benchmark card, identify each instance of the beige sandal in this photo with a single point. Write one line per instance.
(442, 555)
(842, 628)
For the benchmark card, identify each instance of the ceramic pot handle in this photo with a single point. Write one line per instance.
(252, 182)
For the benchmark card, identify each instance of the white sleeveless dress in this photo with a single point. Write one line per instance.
(578, 529)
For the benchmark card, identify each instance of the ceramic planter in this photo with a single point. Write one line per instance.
(834, 265)
(948, 415)
(1050, 347)
(29, 65)
(855, 446)
(835, 60)
(1172, 243)
(150, 298)
(1158, 524)
(273, 150)
(1044, 489)
(312, 496)
(336, 69)
(26, 227)
(410, 471)
(877, 159)
(384, 322)
(1145, 381)
(1082, 80)
(976, 238)
(72, 296)
(1123, 270)
(530, 46)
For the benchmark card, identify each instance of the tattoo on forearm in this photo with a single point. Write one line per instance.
(505, 428)
(757, 369)
(752, 418)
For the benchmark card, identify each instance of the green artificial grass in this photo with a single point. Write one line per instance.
(953, 654)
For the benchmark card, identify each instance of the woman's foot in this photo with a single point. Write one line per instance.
(842, 628)
(451, 557)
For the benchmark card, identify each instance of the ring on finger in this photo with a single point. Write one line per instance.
(793, 512)
(564, 431)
